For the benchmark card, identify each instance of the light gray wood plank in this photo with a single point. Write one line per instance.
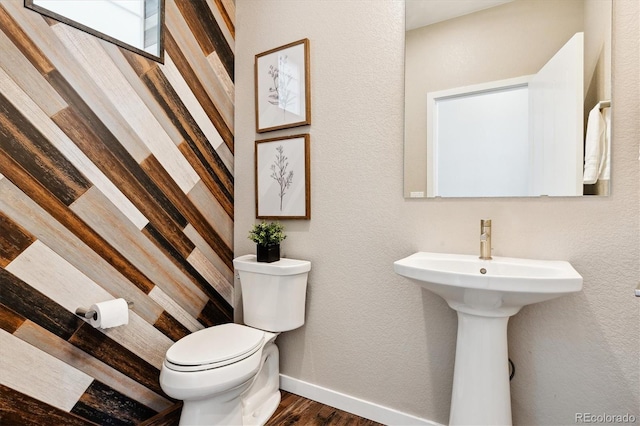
(88, 53)
(208, 252)
(58, 54)
(191, 103)
(51, 275)
(98, 212)
(25, 212)
(39, 374)
(226, 156)
(18, 67)
(79, 359)
(225, 80)
(175, 310)
(212, 211)
(142, 90)
(61, 141)
(210, 273)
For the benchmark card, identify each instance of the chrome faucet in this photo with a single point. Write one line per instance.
(485, 239)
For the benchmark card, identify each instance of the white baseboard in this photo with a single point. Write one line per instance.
(350, 404)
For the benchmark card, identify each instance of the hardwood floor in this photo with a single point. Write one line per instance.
(296, 410)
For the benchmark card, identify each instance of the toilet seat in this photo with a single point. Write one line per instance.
(214, 347)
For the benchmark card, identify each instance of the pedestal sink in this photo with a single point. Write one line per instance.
(485, 293)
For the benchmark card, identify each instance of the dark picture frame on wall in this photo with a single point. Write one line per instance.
(282, 177)
(282, 89)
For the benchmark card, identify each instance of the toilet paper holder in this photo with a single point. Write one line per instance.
(88, 314)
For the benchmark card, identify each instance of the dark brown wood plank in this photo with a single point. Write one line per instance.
(28, 48)
(297, 410)
(71, 221)
(215, 312)
(198, 89)
(29, 148)
(206, 30)
(10, 320)
(169, 417)
(14, 239)
(35, 306)
(142, 192)
(81, 119)
(171, 327)
(103, 405)
(19, 409)
(117, 356)
(159, 175)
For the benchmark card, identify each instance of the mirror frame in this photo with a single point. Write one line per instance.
(29, 4)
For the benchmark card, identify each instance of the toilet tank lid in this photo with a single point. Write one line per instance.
(284, 266)
(216, 344)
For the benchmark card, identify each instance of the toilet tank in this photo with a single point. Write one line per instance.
(273, 294)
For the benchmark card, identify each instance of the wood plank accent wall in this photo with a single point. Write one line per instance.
(116, 180)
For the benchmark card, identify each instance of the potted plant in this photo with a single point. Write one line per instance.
(267, 236)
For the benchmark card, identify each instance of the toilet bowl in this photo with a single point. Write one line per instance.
(229, 374)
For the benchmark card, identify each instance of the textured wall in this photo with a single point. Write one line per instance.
(116, 180)
(374, 335)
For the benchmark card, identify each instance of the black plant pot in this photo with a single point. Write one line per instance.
(268, 254)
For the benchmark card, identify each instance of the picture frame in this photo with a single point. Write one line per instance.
(282, 88)
(282, 177)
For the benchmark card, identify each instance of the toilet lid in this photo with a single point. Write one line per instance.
(222, 345)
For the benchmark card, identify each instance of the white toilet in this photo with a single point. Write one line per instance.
(229, 374)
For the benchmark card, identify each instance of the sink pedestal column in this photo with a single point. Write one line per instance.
(481, 393)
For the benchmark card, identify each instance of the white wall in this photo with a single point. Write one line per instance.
(376, 336)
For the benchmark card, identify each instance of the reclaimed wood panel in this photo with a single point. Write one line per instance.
(89, 53)
(14, 239)
(39, 374)
(27, 106)
(25, 212)
(17, 408)
(116, 180)
(103, 405)
(65, 351)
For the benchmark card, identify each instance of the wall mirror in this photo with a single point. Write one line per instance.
(507, 98)
(135, 25)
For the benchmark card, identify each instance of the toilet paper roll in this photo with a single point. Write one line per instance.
(110, 314)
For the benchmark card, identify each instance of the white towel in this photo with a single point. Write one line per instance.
(595, 151)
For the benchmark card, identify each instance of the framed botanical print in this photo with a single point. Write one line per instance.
(282, 87)
(283, 178)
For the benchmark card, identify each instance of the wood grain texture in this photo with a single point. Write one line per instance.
(70, 220)
(30, 303)
(116, 180)
(19, 37)
(297, 410)
(104, 405)
(14, 239)
(197, 87)
(206, 30)
(39, 375)
(16, 408)
(36, 113)
(77, 358)
(116, 356)
(20, 140)
(14, 203)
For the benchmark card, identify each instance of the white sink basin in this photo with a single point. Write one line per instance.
(501, 285)
(485, 293)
